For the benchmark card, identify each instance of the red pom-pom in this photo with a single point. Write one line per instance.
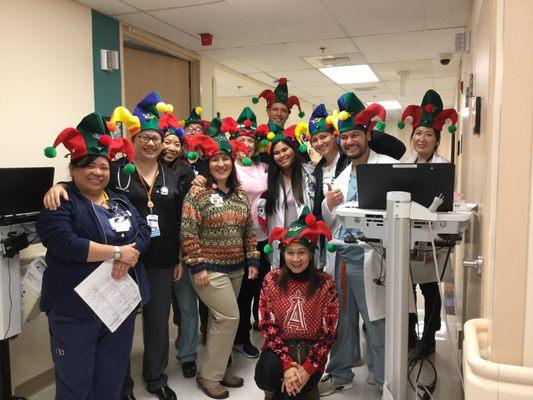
(262, 129)
(247, 123)
(310, 220)
(282, 81)
(105, 140)
(224, 128)
(429, 108)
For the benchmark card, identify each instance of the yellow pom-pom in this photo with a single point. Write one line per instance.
(329, 120)
(198, 110)
(271, 135)
(160, 107)
(301, 129)
(343, 115)
(182, 122)
(170, 108)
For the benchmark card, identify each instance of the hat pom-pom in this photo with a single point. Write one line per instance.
(331, 247)
(50, 152)
(247, 123)
(401, 124)
(310, 220)
(268, 249)
(255, 100)
(271, 135)
(429, 108)
(329, 120)
(182, 122)
(129, 169)
(301, 114)
(452, 129)
(198, 110)
(343, 115)
(282, 81)
(224, 128)
(302, 148)
(380, 126)
(105, 140)
(246, 161)
(264, 142)
(192, 155)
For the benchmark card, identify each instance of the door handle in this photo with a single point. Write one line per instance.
(476, 264)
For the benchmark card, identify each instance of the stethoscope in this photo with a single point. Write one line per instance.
(163, 190)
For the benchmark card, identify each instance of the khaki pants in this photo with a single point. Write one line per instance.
(220, 296)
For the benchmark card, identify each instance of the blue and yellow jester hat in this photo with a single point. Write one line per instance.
(319, 121)
(295, 135)
(150, 109)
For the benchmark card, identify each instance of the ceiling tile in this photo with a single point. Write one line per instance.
(304, 77)
(411, 85)
(312, 48)
(380, 87)
(227, 28)
(288, 21)
(268, 58)
(393, 47)
(166, 4)
(442, 41)
(452, 69)
(446, 14)
(262, 77)
(449, 83)
(322, 90)
(108, 7)
(159, 28)
(417, 69)
(223, 57)
(374, 17)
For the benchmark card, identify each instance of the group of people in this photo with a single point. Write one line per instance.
(223, 221)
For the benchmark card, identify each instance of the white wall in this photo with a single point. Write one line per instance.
(46, 85)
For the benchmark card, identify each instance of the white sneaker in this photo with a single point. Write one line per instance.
(370, 379)
(329, 385)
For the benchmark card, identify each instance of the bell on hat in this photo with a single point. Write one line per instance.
(280, 95)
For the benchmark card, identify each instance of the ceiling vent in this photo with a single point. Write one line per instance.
(334, 60)
(367, 89)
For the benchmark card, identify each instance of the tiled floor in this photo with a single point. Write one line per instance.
(448, 387)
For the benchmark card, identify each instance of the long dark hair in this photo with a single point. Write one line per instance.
(275, 180)
(314, 281)
(233, 181)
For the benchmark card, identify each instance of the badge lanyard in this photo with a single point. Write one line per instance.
(149, 203)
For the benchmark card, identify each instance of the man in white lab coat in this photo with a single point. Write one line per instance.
(356, 267)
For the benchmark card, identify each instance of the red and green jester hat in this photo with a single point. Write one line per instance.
(246, 125)
(306, 230)
(430, 114)
(91, 137)
(280, 95)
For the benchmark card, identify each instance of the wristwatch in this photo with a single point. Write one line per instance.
(116, 253)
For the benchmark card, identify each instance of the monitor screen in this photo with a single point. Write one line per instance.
(23, 189)
(423, 181)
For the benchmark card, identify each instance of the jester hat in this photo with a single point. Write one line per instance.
(245, 125)
(216, 127)
(211, 146)
(280, 95)
(169, 125)
(150, 109)
(354, 116)
(92, 138)
(430, 114)
(319, 121)
(295, 135)
(306, 230)
(196, 118)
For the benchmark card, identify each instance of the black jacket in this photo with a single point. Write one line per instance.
(342, 163)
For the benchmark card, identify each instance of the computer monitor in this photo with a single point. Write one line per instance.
(23, 190)
(423, 181)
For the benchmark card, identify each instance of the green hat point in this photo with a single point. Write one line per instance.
(268, 249)
(401, 124)
(192, 155)
(129, 169)
(50, 152)
(246, 161)
(331, 247)
(301, 114)
(452, 129)
(255, 100)
(380, 126)
(302, 148)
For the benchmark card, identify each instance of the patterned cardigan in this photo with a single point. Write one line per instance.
(217, 231)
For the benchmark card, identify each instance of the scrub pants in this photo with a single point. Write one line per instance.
(188, 314)
(352, 303)
(90, 362)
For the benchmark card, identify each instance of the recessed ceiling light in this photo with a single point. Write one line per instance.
(350, 74)
(388, 104)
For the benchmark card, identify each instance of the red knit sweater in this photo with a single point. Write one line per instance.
(290, 315)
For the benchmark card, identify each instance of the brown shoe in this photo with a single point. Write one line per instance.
(232, 381)
(269, 395)
(215, 392)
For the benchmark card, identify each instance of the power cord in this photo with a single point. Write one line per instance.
(10, 300)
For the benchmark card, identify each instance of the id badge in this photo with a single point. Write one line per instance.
(120, 224)
(216, 200)
(153, 223)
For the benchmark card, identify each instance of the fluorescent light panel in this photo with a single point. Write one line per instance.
(387, 104)
(350, 74)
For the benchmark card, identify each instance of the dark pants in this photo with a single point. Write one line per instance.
(250, 289)
(90, 362)
(155, 331)
(269, 376)
(432, 308)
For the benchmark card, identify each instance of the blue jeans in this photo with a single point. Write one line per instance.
(90, 362)
(188, 305)
(343, 354)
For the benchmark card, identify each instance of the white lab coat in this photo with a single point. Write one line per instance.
(278, 217)
(424, 272)
(375, 294)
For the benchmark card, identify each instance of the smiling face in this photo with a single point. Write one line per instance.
(424, 141)
(193, 129)
(147, 145)
(297, 257)
(220, 167)
(249, 143)
(323, 143)
(283, 155)
(171, 148)
(354, 143)
(93, 178)
(278, 113)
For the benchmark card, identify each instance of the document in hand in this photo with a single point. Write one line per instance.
(112, 300)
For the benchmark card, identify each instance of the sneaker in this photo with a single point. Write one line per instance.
(248, 349)
(329, 385)
(370, 379)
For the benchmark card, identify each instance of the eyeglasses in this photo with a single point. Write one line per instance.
(195, 130)
(147, 138)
